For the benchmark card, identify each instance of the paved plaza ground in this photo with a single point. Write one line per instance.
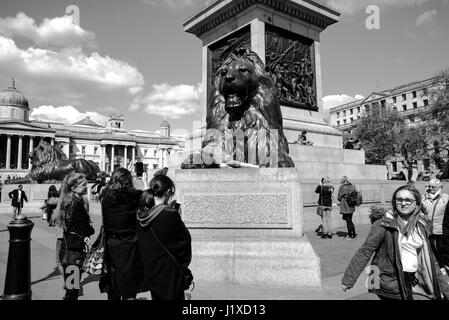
(47, 282)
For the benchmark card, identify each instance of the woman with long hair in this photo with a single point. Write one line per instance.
(50, 204)
(347, 209)
(325, 190)
(119, 203)
(164, 242)
(404, 265)
(73, 218)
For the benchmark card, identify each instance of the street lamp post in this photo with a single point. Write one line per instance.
(18, 270)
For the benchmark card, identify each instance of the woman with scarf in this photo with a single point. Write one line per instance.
(325, 190)
(404, 266)
(119, 203)
(164, 242)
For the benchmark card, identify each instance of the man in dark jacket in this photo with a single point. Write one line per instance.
(17, 197)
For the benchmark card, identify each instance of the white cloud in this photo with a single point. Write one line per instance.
(64, 114)
(177, 4)
(69, 65)
(338, 99)
(59, 31)
(426, 18)
(350, 7)
(170, 101)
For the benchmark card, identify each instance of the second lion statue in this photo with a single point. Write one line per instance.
(49, 163)
(244, 120)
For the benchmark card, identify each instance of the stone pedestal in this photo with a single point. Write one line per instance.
(246, 226)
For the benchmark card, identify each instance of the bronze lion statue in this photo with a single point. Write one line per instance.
(244, 120)
(49, 163)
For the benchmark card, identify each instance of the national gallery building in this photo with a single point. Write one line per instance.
(110, 145)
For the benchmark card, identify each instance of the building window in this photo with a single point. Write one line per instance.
(344, 113)
(426, 103)
(338, 114)
(394, 99)
(155, 166)
(144, 152)
(358, 109)
(352, 111)
(395, 166)
(415, 105)
(352, 120)
(13, 113)
(404, 107)
(155, 152)
(404, 96)
(95, 150)
(71, 148)
(344, 121)
(83, 150)
(414, 94)
(338, 122)
(367, 108)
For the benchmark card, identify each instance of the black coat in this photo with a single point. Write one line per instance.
(325, 196)
(125, 273)
(162, 276)
(14, 195)
(77, 225)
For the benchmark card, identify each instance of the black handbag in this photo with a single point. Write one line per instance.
(74, 241)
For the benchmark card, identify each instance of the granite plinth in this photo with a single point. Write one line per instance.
(246, 226)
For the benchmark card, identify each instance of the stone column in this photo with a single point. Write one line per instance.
(19, 154)
(30, 149)
(66, 149)
(258, 38)
(319, 90)
(52, 141)
(203, 101)
(103, 158)
(112, 158)
(8, 152)
(133, 154)
(125, 155)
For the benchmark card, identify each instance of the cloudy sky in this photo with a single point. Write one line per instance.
(134, 58)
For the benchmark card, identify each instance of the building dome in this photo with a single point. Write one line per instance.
(13, 97)
(164, 124)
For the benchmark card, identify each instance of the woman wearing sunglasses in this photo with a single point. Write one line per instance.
(403, 267)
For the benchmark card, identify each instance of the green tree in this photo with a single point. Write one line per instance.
(378, 132)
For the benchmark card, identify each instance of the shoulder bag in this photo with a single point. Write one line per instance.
(187, 274)
(95, 263)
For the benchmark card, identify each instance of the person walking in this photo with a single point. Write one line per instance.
(325, 190)
(74, 220)
(403, 264)
(17, 197)
(435, 206)
(347, 206)
(164, 242)
(50, 204)
(119, 203)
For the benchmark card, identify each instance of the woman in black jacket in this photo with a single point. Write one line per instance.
(75, 222)
(403, 267)
(164, 242)
(119, 203)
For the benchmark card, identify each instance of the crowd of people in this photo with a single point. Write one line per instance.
(147, 246)
(408, 244)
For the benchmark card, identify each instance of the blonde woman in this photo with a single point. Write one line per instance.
(73, 218)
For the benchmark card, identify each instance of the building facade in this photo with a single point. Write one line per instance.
(410, 100)
(110, 146)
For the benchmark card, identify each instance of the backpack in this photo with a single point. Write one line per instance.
(359, 198)
(352, 198)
